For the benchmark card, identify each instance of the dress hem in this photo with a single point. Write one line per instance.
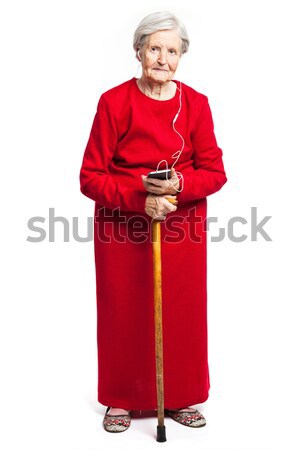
(147, 407)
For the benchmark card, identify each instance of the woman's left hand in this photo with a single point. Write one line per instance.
(162, 187)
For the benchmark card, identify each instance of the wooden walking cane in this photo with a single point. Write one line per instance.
(156, 247)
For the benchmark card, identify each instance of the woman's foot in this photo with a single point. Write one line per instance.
(182, 410)
(190, 417)
(118, 411)
(116, 420)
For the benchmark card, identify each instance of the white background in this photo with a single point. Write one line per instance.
(57, 57)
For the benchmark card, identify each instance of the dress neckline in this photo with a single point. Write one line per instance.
(169, 100)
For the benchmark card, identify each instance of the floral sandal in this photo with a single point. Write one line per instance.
(116, 424)
(192, 419)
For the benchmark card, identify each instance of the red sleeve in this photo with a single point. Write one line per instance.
(209, 175)
(95, 180)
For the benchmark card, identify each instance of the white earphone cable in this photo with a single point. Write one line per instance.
(178, 153)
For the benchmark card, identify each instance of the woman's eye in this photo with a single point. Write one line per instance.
(153, 49)
(173, 52)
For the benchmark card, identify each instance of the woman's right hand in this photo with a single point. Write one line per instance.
(157, 206)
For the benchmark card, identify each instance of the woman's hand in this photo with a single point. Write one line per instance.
(162, 187)
(158, 207)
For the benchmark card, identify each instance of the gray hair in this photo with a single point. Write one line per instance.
(163, 20)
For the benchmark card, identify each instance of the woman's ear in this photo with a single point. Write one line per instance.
(138, 54)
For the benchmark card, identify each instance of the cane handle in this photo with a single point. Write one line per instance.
(172, 200)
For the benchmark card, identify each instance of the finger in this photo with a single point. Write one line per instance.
(169, 207)
(156, 181)
(154, 190)
(153, 187)
(172, 200)
(159, 216)
(146, 179)
(171, 196)
(149, 187)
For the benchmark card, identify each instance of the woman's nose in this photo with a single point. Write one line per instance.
(162, 58)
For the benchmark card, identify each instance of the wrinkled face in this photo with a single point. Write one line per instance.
(160, 56)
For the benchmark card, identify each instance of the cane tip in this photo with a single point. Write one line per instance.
(161, 433)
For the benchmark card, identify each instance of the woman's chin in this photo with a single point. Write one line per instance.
(160, 76)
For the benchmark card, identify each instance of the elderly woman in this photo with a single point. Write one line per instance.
(140, 126)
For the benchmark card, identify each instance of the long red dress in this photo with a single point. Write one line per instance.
(130, 134)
